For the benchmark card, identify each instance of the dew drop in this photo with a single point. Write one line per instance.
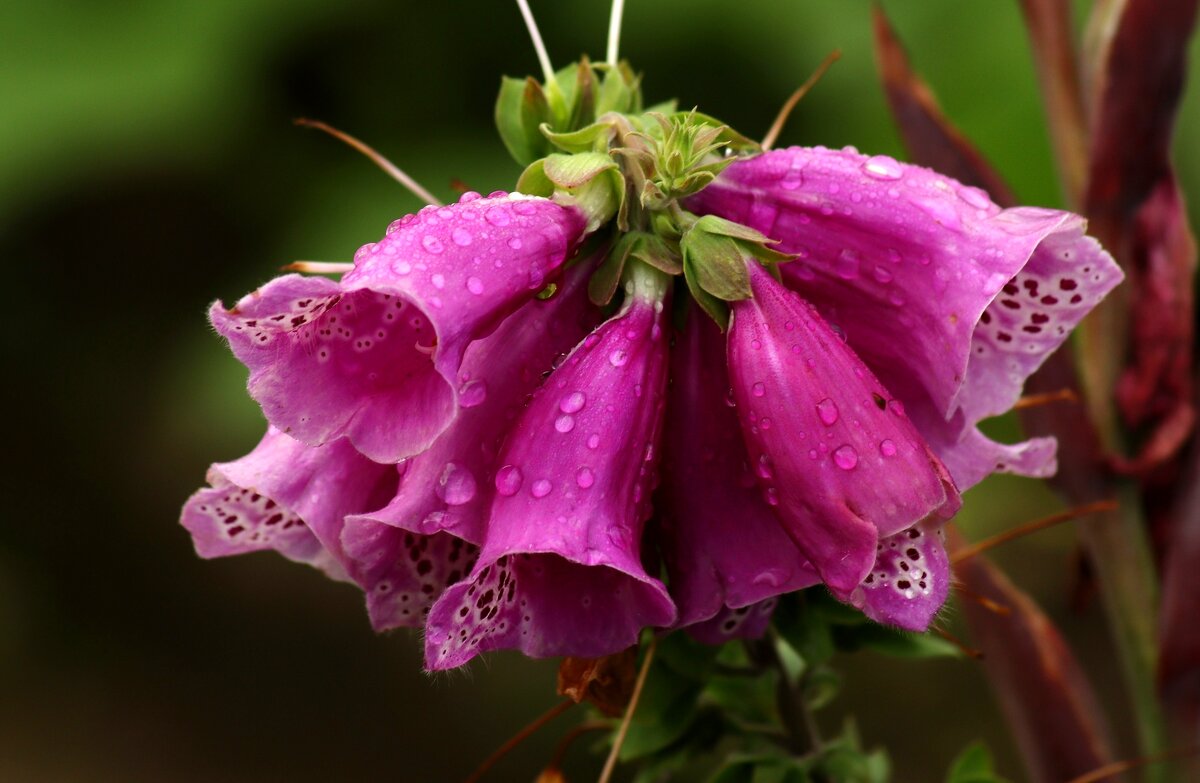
(763, 468)
(882, 167)
(758, 389)
(497, 216)
(573, 402)
(845, 457)
(585, 478)
(541, 488)
(402, 267)
(455, 485)
(461, 237)
(975, 197)
(827, 410)
(887, 448)
(475, 285)
(618, 358)
(847, 264)
(438, 280)
(564, 423)
(508, 480)
(432, 244)
(593, 440)
(514, 243)
(882, 274)
(472, 393)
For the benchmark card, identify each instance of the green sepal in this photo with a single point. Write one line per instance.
(574, 171)
(520, 108)
(602, 286)
(655, 251)
(716, 309)
(620, 90)
(582, 101)
(726, 135)
(974, 765)
(718, 263)
(592, 138)
(534, 182)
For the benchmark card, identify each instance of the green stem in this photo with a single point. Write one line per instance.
(1120, 553)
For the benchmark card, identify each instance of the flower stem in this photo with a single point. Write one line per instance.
(610, 763)
(614, 32)
(538, 46)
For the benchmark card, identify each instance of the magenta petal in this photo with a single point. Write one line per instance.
(747, 622)
(403, 573)
(722, 544)
(837, 457)
(375, 358)
(560, 572)
(446, 492)
(945, 296)
(286, 496)
(909, 582)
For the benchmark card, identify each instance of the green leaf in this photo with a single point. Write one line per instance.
(894, 642)
(974, 765)
(711, 224)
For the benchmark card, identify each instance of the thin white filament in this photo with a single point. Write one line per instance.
(538, 46)
(614, 32)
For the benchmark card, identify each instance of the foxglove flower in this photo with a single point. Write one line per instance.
(561, 570)
(375, 357)
(289, 497)
(426, 538)
(951, 301)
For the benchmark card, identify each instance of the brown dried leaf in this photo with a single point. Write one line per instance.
(930, 138)
(605, 682)
(1046, 698)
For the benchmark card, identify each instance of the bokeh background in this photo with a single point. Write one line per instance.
(148, 165)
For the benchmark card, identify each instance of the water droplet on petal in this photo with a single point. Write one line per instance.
(573, 402)
(882, 167)
(827, 410)
(763, 468)
(845, 457)
(541, 488)
(585, 478)
(514, 243)
(771, 496)
(772, 577)
(472, 393)
(475, 285)
(975, 197)
(847, 264)
(593, 440)
(564, 423)
(438, 280)
(402, 267)
(497, 216)
(758, 389)
(461, 237)
(882, 274)
(455, 485)
(508, 480)
(887, 448)
(618, 358)
(432, 244)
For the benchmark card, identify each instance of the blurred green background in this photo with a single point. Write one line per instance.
(149, 166)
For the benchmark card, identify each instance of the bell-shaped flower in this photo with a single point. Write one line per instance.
(375, 357)
(406, 553)
(910, 579)
(560, 571)
(839, 462)
(286, 496)
(950, 300)
(723, 546)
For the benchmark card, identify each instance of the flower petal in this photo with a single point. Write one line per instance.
(944, 295)
(909, 581)
(286, 496)
(375, 357)
(445, 493)
(722, 545)
(747, 622)
(838, 459)
(560, 572)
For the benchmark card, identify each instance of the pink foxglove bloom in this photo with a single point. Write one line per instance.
(561, 568)
(375, 357)
(452, 431)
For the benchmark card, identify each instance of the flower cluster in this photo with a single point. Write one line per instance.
(495, 454)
